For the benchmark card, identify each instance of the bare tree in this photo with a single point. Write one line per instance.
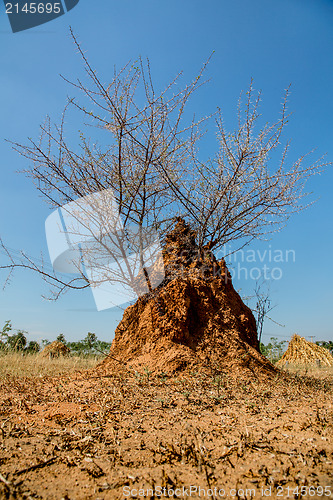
(263, 307)
(139, 130)
(148, 156)
(241, 193)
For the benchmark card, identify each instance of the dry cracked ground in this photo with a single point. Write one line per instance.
(142, 436)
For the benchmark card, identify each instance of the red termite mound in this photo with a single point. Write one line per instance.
(194, 320)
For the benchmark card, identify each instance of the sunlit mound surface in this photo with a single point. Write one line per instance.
(302, 352)
(55, 349)
(194, 320)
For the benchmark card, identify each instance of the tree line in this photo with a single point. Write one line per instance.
(16, 341)
(91, 345)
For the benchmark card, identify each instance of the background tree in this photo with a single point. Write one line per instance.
(328, 344)
(61, 338)
(18, 341)
(90, 339)
(149, 155)
(90, 345)
(4, 333)
(33, 347)
(274, 349)
(263, 307)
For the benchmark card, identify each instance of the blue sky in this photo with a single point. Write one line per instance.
(275, 43)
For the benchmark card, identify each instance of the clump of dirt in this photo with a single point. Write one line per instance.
(55, 350)
(194, 320)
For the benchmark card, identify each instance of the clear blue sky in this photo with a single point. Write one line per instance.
(276, 43)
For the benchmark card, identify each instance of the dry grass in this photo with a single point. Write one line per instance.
(33, 365)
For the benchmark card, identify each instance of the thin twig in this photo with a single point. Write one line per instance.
(4, 480)
(37, 466)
